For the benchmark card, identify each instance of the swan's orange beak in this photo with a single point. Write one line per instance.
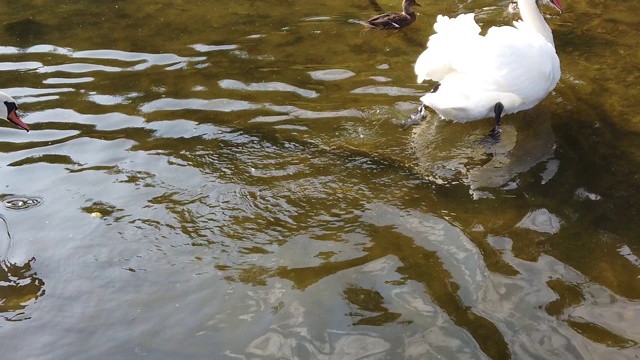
(13, 117)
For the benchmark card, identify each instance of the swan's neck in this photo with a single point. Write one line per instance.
(532, 17)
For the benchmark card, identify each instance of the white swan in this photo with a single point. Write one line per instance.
(505, 71)
(10, 111)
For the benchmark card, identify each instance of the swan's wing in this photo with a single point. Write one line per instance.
(453, 39)
(515, 61)
(507, 60)
(462, 25)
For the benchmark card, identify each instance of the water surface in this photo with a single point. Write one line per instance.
(229, 180)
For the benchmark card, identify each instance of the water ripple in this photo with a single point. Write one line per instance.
(110, 99)
(331, 74)
(10, 50)
(21, 202)
(24, 91)
(208, 48)
(68, 80)
(106, 122)
(31, 95)
(78, 68)
(149, 59)
(45, 48)
(267, 86)
(386, 90)
(225, 105)
(308, 114)
(20, 66)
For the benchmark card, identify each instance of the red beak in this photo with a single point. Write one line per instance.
(556, 3)
(13, 117)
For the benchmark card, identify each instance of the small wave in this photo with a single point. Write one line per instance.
(331, 74)
(21, 202)
(386, 90)
(266, 86)
(20, 66)
(208, 48)
(225, 105)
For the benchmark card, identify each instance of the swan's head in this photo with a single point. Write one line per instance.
(9, 111)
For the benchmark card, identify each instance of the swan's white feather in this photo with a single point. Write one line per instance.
(516, 66)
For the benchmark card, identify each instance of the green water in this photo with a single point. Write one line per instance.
(229, 180)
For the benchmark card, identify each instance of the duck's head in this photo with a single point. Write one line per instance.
(9, 111)
(409, 3)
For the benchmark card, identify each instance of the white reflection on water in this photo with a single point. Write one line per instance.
(208, 48)
(303, 329)
(20, 66)
(331, 74)
(386, 90)
(78, 68)
(23, 92)
(67, 80)
(225, 105)
(540, 220)
(266, 86)
(348, 347)
(105, 121)
(145, 60)
(512, 303)
(459, 255)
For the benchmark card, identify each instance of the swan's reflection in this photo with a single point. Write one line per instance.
(450, 152)
(19, 284)
(19, 287)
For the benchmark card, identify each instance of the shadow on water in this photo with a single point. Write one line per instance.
(27, 30)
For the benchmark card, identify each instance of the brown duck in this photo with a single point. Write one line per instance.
(389, 21)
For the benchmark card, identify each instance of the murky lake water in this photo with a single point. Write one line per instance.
(228, 180)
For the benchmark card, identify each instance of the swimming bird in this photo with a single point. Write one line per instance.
(510, 69)
(10, 111)
(389, 21)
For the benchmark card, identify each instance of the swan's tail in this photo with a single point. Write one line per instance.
(452, 37)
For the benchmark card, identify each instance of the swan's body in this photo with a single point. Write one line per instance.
(391, 21)
(510, 69)
(9, 111)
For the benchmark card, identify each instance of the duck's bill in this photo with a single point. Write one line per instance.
(13, 117)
